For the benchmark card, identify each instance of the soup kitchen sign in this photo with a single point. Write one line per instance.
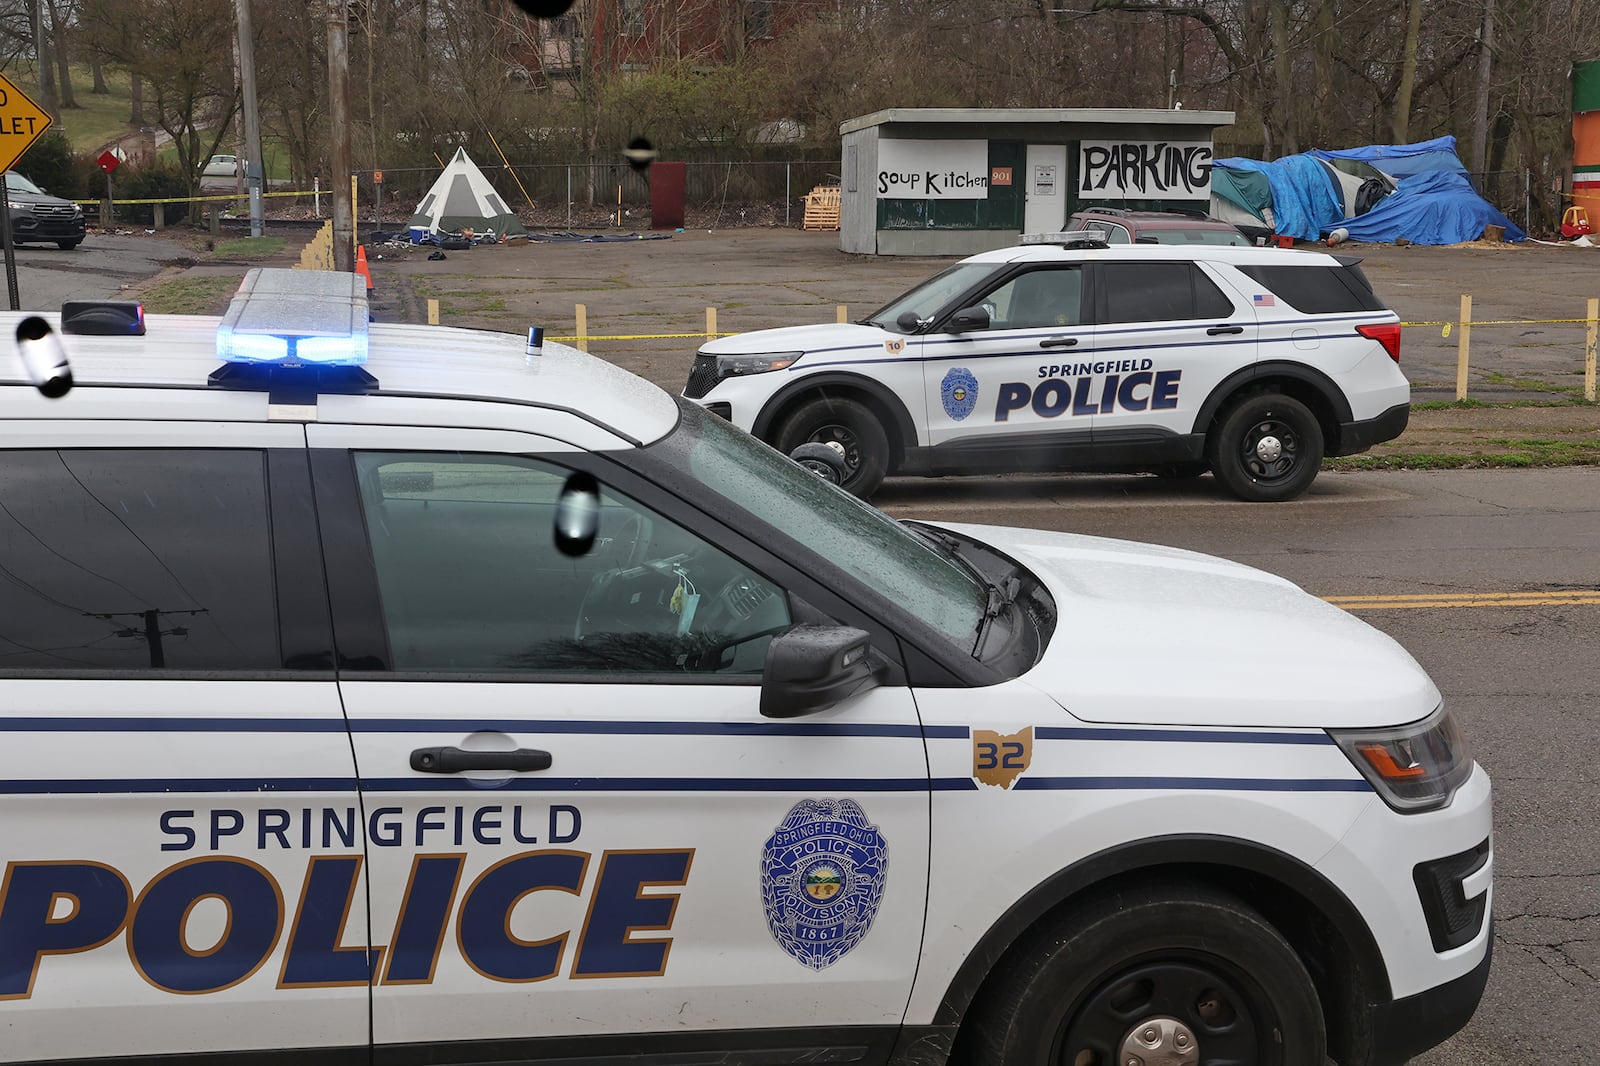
(1150, 170)
(933, 170)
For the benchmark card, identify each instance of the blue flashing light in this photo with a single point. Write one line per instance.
(296, 318)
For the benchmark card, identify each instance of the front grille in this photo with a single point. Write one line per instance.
(54, 211)
(703, 376)
(1453, 919)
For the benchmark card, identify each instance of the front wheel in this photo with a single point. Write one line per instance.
(1176, 974)
(1266, 448)
(853, 430)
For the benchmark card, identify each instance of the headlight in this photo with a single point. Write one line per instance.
(15, 206)
(729, 366)
(77, 210)
(1415, 767)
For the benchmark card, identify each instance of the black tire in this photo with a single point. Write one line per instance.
(1266, 448)
(1080, 988)
(67, 246)
(848, 423)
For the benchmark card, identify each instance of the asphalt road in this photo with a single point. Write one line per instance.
(100, 268)
(1525, 680)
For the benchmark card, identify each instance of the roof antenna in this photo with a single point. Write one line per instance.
(44, 357)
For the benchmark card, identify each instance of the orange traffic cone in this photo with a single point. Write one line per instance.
(361, 265)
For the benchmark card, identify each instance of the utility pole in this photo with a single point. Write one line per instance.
(1480, 108)
(255, 174)
(344, 228)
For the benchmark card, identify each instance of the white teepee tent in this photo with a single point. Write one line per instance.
(462, 199)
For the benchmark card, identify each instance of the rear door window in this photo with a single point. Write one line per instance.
(136, 559)
(1161, 292)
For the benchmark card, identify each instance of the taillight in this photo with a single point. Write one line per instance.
(1386, 334)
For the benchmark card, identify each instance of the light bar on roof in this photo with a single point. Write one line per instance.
(296, 318)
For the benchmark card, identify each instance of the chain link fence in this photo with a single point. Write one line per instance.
(571, 190)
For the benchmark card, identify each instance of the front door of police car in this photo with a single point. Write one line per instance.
(1022, 377)
(579, 823)
(178, 812)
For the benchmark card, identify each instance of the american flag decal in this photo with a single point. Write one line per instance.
(1263, 300)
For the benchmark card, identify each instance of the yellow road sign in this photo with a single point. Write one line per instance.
(21, 123)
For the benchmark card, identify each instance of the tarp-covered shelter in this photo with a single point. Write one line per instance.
(462, 199)
(1377, 193)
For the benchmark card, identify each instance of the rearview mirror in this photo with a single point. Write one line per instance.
(811, 668)
(577, 515)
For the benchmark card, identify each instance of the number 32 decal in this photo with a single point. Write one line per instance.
(998, 759)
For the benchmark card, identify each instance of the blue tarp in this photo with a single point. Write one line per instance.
(1437, 207)
(1434, 202)
(1404, 160)
(1305, 203)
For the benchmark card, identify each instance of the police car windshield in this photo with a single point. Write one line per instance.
(17, 183)
(854, 536)
(930, 297)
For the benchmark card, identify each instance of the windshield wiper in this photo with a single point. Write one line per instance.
(1000, 597)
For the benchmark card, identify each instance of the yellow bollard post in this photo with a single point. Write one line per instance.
(433, 312)
(1462, 345)
(1589, 350)
(843, 311)
(711, 322)
(583, 328)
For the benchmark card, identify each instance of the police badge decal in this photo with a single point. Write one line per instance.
(959, 392)
(822, 877)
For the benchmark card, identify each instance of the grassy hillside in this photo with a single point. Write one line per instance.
(101, 118)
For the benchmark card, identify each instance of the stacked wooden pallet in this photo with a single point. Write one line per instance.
(822, 208)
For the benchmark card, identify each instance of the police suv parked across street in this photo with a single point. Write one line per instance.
(399, 694)
(1063, 354)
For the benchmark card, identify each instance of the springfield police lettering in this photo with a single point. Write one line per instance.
(1143, 389)
(67, 907)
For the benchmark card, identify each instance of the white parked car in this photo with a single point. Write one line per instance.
(1253, 363)
(221, 166)
(397, 693)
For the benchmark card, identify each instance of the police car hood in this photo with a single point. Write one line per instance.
(1154, 635)
(833, 337)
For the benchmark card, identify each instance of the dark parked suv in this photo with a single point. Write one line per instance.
(39, 218)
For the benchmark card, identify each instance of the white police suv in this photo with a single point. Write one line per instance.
(394, 694)
(1063, 354)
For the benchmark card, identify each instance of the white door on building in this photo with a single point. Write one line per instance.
(1045, 193)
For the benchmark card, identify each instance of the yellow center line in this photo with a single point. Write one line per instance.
(1416, 601)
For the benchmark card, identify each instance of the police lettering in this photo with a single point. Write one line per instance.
(1142, 390)
(65, 908)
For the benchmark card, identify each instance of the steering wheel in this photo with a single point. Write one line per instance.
(625, 547)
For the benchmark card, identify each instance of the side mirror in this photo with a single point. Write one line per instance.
(577, 515)
(969, 318)
(908, 321)
(824, 460)
(811, 668)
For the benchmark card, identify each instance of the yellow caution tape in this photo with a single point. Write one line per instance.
(640, 337)
(1508, 322)
(197, 199)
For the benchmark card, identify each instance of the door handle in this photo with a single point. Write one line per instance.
(1059, 342)
(1216, 331)
(455, 760)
